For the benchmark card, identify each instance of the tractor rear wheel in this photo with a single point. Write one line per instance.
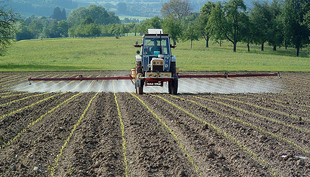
(139, 84)
(173, 85)
(139, 90)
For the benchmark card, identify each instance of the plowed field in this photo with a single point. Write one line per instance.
(102, 128)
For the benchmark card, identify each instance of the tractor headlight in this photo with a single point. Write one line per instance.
(167, 64)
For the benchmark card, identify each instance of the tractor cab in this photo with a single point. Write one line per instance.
(153, 46)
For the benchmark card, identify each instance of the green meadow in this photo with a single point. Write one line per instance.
(109, 53)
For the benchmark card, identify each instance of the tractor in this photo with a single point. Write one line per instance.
(155, 64)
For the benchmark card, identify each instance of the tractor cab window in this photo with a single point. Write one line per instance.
(155, 46)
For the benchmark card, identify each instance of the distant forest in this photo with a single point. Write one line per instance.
(40, 7)
(144, 8)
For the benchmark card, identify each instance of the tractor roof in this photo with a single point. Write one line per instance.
(155, 35)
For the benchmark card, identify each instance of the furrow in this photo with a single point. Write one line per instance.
(24, 129)
(293, 105)
(123, 132)
(268, 126)
(151, 148)
(59, 155)
(42, 142)
(171, 132)
(21, 99)
(216, 132)
(27, 107)
(298, 118)
(95, 149)
(14, 94)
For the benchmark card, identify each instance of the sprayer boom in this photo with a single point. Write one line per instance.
(129, 77)
(81, 78)
(226, 75)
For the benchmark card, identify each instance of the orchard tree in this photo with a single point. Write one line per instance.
(124, 29)
(261, 17)
(191, 33)
(115, 29)
(176, 9)
(217, 15)
(307, 19)
(133, 27)
(296, 31)
(267, 21)
(276, 29)
(8, 20)
(227, 21)
(205, 13)
(248, 30)
(173, 28)
(155, 23)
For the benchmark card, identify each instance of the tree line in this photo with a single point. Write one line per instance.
(281, 23)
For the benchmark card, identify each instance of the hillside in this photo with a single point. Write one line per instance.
(148, 8)
(40, 8)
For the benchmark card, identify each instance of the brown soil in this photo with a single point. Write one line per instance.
(155, 134)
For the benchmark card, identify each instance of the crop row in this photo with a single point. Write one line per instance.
(266, 130)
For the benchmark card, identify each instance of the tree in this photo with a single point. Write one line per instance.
(54, 30)
(296, 32)
(58, 15)
(205, 13)
(176, 9)
(261, 17)
(7, 29)
(249, 32)
(88, 20)
(23, 32)
(154, 22)
(76, 16)
(228, 21)
(217, 15)
(133, 27)
(64, 14)
(173, 28)
(114, 29)
(124, 29)
(192, 33)
(97, 13)
(307, 19)
(63, 28)
(36, 27)
(276, 34)
(266, 19)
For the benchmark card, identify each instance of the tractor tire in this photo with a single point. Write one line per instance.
(173, 67)
(139, 84)
(173, 85)
(139, 90)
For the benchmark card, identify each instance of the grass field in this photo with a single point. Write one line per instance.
(122, 17)
(109, 53)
